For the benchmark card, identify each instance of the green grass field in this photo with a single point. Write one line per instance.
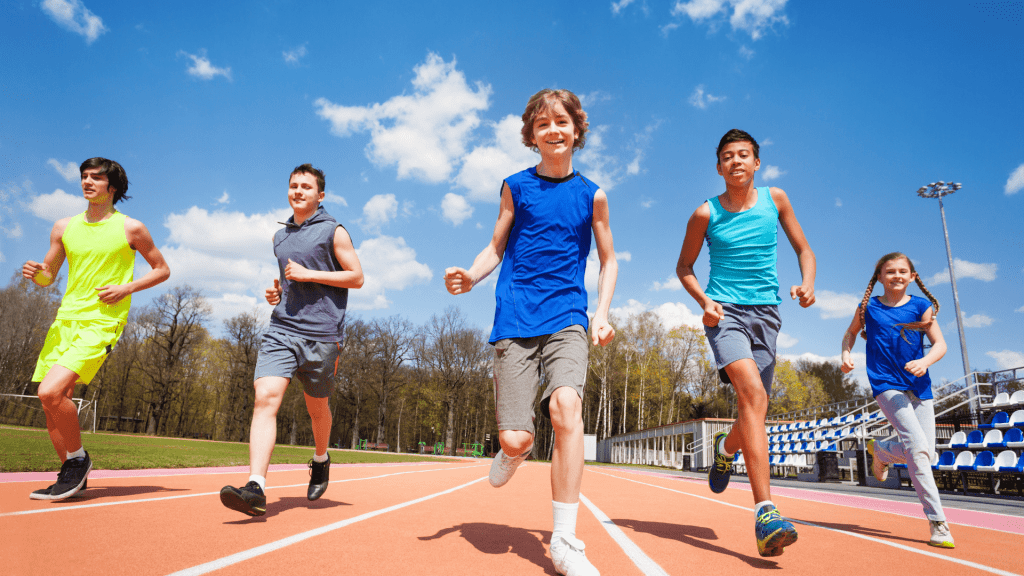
(30, 450)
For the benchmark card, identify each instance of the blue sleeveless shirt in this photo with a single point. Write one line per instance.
(744, 249)
(888, 352)
(540, 287)
(309, 310)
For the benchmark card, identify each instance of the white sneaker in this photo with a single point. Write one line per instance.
(569, 558)
(940, 535)
(503, 467)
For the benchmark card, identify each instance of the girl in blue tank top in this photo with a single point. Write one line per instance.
(894, 325)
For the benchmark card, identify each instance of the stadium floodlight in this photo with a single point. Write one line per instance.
(938, 190)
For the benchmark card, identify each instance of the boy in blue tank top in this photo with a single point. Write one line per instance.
(318, 265)
(542, 240)
(741, 316)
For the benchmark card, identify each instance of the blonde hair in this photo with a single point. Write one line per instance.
(919, 326)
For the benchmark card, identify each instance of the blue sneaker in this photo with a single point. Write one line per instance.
(721, 468)
(773, 532)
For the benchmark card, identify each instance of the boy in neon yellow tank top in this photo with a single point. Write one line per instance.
(99, 245)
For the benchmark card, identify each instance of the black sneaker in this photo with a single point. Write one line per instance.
(71, 478)
(319, 472)
(44, 493)
(248, 499)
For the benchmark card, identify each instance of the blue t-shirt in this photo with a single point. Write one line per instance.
(540, 287)
(743, 247)
(888, 352)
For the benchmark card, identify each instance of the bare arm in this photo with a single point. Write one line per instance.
(938, 350)
(602, 331)
(42, 273)
(849, 339)
(141, 241)
(696, 228)
(351, 276)
(459, 280)
(804, 254)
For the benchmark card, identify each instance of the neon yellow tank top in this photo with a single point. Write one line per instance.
(98, 255)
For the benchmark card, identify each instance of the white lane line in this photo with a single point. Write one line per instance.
(271, 547)
(162, 498)
(930, 554)
(644, 562)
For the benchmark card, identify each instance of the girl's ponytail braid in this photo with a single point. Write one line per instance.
(864, 305)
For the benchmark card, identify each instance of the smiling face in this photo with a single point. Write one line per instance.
(96, 187)
(303, 194)
(896, 275)
(737, 162)
(554, 132)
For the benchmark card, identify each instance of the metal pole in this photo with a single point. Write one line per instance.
(971, 392)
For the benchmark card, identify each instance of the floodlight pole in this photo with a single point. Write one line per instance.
(938, 190)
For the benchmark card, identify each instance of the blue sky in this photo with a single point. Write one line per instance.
(412, 111)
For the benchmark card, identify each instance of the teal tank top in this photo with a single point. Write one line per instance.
(744, 249)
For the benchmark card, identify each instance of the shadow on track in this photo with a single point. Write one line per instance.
(275, 507)
(94, 492)
(872, 532)
(502, 539)
(696, 536)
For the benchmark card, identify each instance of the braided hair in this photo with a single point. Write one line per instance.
(919, 326)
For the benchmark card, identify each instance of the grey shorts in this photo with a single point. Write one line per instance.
(521, 365)
(747, 331)
(312, 363)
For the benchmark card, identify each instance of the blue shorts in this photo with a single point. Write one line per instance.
(746, 331)
(312, 363)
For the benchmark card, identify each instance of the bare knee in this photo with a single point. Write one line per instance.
(268, 398)
(565, 408)
(515, 442)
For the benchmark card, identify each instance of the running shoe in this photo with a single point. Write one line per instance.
(879, 469)
(319, 473)
(941, 537)
(569, 558)
(721, 469)
(44, 493)
(503, 467)
(70, 480)
(773, 532)
(248, 499)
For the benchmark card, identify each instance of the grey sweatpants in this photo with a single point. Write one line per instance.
(914, 422)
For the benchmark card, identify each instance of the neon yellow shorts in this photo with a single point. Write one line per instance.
(79, 346)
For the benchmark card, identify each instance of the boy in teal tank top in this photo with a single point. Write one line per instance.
(100, 246)
(741, 317)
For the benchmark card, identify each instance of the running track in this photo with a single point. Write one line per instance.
(445, 519)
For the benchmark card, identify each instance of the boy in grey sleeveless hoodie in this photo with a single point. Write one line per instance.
(318, 264)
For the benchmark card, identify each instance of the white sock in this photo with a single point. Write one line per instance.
(565, 519)
(262, 481)
(80, 453)
(320, 458)
(759, 505)
(721, 447)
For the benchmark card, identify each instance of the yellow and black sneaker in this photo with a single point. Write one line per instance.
(721, 468)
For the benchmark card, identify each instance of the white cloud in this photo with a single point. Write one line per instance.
(67, 170)
(224, 198)
(859, 372)
(56, 205)
(977, 321)
(388, 264)
(455, 208)
(771, 172)
(839, 203)
(1007, 359)
(594, 270)
(1015, 183)
(379, 210)
(72, 15)
(965, 269)
(836, 304)
(332, 198)
(595, 97)
(294, 55)
(746, 52)
(14, 232)
(671, 283)
(668, 28)
(646, 202)
(423, 134)
(1021, 309)
(751, 16)
(601, 168)
(785, 341)
(486, 166)
(620, 5)
(700, 99)
(671, 314)
(767, 142)
(202, 68)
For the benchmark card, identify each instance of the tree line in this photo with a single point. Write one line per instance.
(397, 383)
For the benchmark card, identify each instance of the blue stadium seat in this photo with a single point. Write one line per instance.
(976, 439)
(984, 462)
(947, 461)
(1000, 420)
(1014, 438)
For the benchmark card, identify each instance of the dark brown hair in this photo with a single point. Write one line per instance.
(919, 326)
(737, 135)
(307, 168)
(116, 177)
(542, 101)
